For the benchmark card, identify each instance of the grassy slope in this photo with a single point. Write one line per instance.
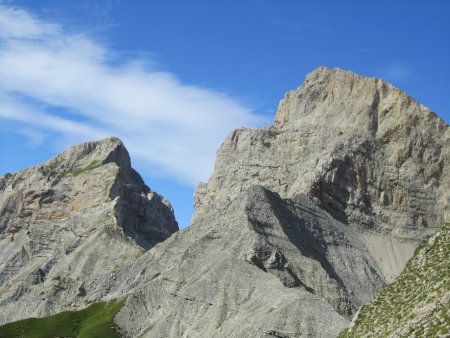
(417, 303)
(93, 321)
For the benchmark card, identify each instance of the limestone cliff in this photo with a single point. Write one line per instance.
(365, 151)
(67, 225)
(260, 266)
(303, 222)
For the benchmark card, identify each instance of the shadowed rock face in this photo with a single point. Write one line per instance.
(70, 221)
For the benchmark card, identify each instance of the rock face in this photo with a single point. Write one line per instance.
(66, 227)
(260, 266)
(417, 304)
(299, 225)
(366, 152)
(303, 222)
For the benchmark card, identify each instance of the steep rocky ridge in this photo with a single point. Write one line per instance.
(364, 150)
(260, 266)
(67, 225)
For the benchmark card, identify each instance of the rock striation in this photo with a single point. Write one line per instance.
(261, 266)
(300, 224)
(68, 225)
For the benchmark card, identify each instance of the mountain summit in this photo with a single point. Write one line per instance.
(70, 223)
(363, 150)
(300, 224)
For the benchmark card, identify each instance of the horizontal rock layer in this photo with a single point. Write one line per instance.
(303, 222)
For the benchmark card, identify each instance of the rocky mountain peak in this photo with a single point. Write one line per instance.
(348, 101)
(96, 153)
(67, 221)
(363, 150)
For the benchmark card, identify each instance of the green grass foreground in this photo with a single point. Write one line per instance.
(416, 304)
(93, 321)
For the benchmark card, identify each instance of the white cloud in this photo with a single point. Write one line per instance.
(172, 127)
(34, 138)
(15, 23)
(395, 72)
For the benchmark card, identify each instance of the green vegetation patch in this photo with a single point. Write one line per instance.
(270, 134)
(416, 304)
(52, 169)
(93, 321)
(93, 165)
(273, 133)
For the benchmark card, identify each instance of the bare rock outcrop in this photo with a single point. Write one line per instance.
(260, 266)
(303, 222)
(365, 151)
(67, 225)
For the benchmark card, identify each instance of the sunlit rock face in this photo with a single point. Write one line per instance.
(302, 222)
(71, 222)
(363, 150)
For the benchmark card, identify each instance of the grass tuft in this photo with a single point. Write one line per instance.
(93, 165)
(52, 169)
(273, 133)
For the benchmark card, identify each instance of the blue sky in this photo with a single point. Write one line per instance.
(173, 78)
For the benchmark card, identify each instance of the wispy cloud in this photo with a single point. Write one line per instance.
(70, 84)
(396, 72)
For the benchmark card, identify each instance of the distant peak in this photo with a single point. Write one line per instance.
(104, 151)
